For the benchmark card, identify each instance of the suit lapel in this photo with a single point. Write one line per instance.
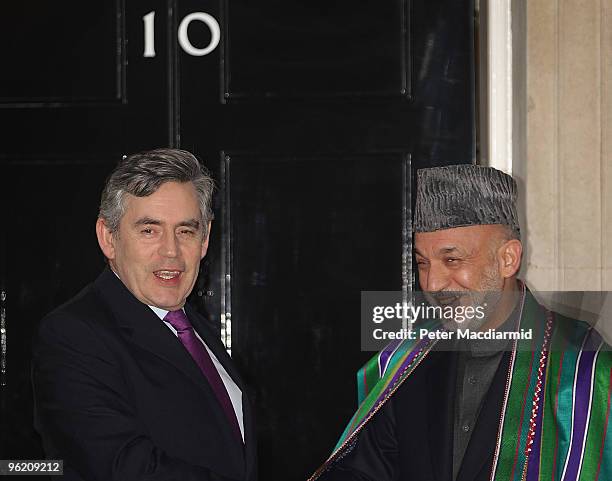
(250, 440)
(441, 394)
(142, 327)
(441, 390)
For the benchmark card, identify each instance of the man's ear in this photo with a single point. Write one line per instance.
(106, 239)
(205, 241)
(509, 257)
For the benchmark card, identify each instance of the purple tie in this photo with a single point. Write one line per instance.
(200, 355)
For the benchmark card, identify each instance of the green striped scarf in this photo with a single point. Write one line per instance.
(555, 419)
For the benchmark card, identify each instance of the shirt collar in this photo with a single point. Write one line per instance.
(161, 313)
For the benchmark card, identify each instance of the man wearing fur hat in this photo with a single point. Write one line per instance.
(529, 408)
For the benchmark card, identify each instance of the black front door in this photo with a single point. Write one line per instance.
(313, 118)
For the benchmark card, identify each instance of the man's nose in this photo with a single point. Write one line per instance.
(169, 245)
(436, 279)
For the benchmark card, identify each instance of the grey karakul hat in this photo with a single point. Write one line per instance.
(463, 195)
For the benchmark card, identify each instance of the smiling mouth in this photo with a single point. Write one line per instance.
(445, 300)
(167, 275)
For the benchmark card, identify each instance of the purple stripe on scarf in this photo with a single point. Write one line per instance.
(581, 408)
(385, 355)
(533, 468)
(399, 371)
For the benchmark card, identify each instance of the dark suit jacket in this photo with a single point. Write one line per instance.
(411, 437)
(118, 397)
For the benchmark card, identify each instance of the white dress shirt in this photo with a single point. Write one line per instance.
(234, 391)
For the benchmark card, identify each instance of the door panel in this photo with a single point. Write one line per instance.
(63, 54)
(277, 48)
(299, 250)
(88, 94)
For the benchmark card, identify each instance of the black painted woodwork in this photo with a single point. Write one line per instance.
(312, 116)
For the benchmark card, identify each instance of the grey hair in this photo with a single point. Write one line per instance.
(143, 173)
(511, 233)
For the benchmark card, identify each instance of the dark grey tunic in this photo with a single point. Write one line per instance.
(477, 364)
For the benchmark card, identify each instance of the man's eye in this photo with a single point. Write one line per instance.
(452, 260)
(187, 232)
(147, 231)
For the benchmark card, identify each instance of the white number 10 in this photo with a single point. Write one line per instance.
(183, 36)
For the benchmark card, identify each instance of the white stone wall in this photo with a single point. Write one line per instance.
(565, 172)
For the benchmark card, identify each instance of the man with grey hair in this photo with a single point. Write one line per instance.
(130, 383)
